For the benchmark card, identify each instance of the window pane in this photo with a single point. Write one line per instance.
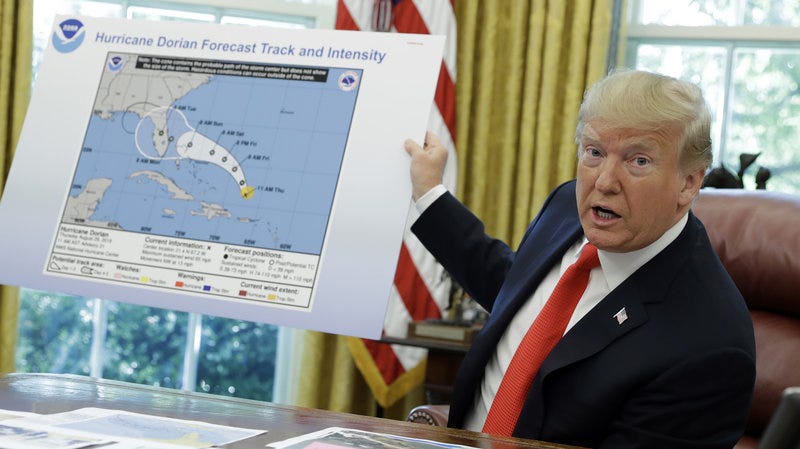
(158, 14)
(702, 65)
(55, 333)
(765, 115)
(144, 345)
(687, 12)
(237, 358)
(50, 8)
(772, 12)
(289, 23)
(718, 12)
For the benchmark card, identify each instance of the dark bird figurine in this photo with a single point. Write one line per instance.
(722, 178)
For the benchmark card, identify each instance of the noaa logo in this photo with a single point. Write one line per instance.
(348, 80)
(115, 63)
(68, 36)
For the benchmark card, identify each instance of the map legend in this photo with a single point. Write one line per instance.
(222, 270)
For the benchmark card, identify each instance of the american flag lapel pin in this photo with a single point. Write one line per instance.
(621, 316)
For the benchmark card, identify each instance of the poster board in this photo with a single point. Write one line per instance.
(243, 172)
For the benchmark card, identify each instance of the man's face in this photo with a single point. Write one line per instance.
(630, 188)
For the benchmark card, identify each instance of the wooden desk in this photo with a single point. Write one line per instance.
(54, 393)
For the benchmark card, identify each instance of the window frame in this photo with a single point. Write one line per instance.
(315, 15)
(728, 38)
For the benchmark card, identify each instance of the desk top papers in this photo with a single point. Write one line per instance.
(343, 438)
(114, 428)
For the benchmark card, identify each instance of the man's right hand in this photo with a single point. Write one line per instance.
(427, 164)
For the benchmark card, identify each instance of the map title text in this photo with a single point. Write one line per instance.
(232, 47)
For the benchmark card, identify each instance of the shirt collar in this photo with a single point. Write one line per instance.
(619, 266)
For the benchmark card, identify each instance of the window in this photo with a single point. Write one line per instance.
(60, 333)
(273, 13)
(745, 55)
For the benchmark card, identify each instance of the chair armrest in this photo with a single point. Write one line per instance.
(432, 414)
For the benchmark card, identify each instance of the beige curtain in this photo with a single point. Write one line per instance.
(522, 69)
(330, 379)
(16, 39)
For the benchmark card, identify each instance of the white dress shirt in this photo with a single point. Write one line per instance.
(613, 270)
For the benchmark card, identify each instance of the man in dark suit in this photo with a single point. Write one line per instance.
(659, 349)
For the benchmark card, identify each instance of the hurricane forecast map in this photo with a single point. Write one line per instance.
(221, 167)
(248, 172)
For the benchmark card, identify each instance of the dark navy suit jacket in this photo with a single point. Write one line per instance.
(678, 373)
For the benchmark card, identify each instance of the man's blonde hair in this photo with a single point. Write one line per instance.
(653, 102)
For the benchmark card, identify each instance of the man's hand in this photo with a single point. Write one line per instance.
(427, 164)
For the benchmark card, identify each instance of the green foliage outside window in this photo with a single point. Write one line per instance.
(237, 358)
(55, 333)
(145, 345)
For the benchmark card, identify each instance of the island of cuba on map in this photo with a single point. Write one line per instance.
(207, 176)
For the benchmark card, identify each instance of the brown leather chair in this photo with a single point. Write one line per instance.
(757, 236)
(432, 414)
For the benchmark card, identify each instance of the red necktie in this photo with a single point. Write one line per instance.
(546, 330)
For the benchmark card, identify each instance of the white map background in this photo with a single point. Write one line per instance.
(218, 158)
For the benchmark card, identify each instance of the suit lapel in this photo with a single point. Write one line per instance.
(603, 324)
(598, 328)
(556, 230)
(530, 267)
(528, 270)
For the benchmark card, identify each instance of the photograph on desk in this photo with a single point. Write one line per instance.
(13, 414)
(121, 429)
(343, 438)
(13, 437)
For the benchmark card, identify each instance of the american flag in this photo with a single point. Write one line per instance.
(421, 286)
